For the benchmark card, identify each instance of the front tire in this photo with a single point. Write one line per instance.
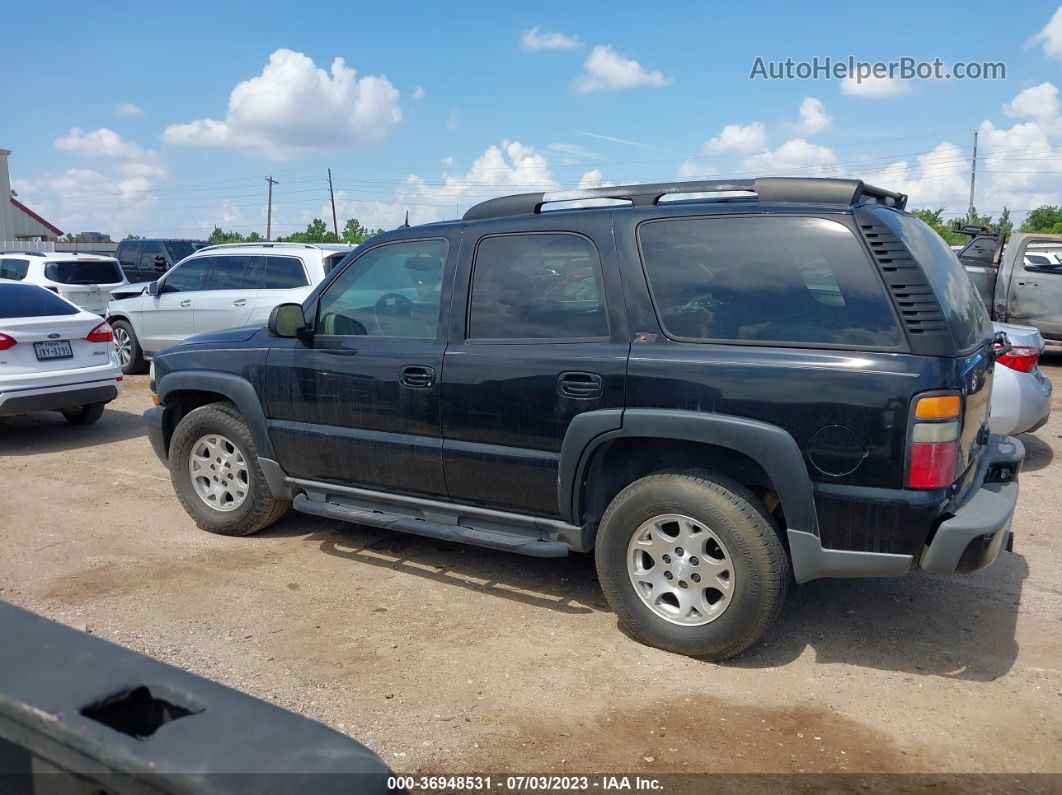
(126, 345)
(215, 473)
(84, 415)
(692, 563)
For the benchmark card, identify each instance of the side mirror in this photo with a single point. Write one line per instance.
(287, 320)
(153, 288)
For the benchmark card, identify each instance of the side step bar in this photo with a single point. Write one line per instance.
(503, 540)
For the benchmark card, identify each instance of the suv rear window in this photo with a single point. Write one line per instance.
(28, 300)
(958, 298)
(83, 272)
(765, 280)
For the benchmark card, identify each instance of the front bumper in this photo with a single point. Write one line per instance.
(980, 528)
(155, 419)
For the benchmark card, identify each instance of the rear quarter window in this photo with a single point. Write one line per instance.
(28, 300)
(959, 300)
(765, 280)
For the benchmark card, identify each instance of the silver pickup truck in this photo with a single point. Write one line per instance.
(1016, 288)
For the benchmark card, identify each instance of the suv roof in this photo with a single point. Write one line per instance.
(58, 255)
(785, 190)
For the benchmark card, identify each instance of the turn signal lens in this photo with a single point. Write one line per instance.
(940, 407)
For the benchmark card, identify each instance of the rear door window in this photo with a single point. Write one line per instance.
(83, 272)
(537, 287)
(15, 269)
(29, 300)
(149, 250)
(284, 273)
(765, 280)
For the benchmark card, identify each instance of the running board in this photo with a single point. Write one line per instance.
(503, 540)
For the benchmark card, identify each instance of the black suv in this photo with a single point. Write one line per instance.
(714, 395)
(146, 260)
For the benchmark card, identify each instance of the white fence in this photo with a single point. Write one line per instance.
(48, 246)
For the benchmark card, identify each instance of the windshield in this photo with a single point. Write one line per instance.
(83, 272)
(179, 249)
(29, 300)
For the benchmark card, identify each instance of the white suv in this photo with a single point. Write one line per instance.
(217, 287)
(85, 280)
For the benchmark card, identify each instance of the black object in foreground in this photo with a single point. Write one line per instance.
(79, 714)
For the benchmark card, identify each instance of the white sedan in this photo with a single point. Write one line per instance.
(54, 356)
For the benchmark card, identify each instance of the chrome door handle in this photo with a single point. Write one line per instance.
(185, 302)
(240, 302)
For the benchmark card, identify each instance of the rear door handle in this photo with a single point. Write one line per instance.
(185, 302)
(579, 385)
(416, 376)
(240, 302)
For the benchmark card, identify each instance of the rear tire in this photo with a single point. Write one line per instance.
(692, 563)
(84, 415)
(130, 354)
(215, 473)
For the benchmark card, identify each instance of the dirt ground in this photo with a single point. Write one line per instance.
(454, 659)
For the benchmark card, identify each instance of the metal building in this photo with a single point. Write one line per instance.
(17, 221)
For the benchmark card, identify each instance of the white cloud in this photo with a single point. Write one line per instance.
(1051, 36)
(453, 120)
(127, 109)
(737, 139)
(535, 39)
(607, 70)
(695, 169)
(448, 161)
(795, 157)
(813, 117)
(875, 87)
(98, 143)
(294, 107)
(593, 179)
(418, 92)
(1038, 102)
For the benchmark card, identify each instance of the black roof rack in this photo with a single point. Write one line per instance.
(804, 190)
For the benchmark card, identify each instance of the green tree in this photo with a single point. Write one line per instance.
(254, 237)
(935, 219)
(219, 235)
(1005, 224)
(132, 237)
(354, 232)
(316, 232)
(1047, 218)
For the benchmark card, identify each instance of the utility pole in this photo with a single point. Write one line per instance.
(335, 225)
(973, 180)
(269, 211)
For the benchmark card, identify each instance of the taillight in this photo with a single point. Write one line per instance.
(934, 448)
(102, 333)
(1020, 358)
(7, 342)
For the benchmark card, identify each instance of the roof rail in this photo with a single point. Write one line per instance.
(263, 244)
(805, 190)
(30, 253)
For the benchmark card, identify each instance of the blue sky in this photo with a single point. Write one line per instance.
(134, 118)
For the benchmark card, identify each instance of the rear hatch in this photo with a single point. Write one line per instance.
(85, 282)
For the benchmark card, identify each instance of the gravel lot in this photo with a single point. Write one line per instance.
(443, 658)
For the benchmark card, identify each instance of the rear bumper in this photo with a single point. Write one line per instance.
(58, 396)
(1021, 402)
(980, 528)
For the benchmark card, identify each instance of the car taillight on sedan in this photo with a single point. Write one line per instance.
(7, 342)
(101, 333)
(934, 448)
(1020, 358)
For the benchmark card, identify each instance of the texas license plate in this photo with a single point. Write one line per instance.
(59, 349)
